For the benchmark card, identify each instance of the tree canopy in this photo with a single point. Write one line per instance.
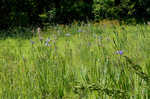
(25, 12)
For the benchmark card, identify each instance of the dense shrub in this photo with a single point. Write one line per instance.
(69, 10)
(25, 12)
(113, 9)
(22, 12)
(121, 9)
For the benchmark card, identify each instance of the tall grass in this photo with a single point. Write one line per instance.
(90, 61)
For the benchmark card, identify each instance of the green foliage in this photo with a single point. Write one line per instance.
(67, 11)
(51, 15)
(121, 9)
(15, 32)
(108, 9)
(143, 7)
(22, 12)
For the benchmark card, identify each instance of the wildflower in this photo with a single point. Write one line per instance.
(32, 42)
(48, 40)
(79, 30)
(68, 34)
(119, 52)
(47, 44)
(41, 39)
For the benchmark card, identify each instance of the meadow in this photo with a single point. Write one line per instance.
(86, 61)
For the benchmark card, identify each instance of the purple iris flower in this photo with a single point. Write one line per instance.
(32, 42)
(79, 30)
(119, 52)
(47, 42)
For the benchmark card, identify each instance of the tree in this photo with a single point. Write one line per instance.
(117, 2)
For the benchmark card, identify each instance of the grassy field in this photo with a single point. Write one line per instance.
(90, 61)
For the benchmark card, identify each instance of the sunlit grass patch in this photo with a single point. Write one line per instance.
(89, 61)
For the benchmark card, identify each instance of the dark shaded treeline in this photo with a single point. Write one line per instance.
(33, 12)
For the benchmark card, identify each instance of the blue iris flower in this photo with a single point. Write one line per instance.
(119, 52)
